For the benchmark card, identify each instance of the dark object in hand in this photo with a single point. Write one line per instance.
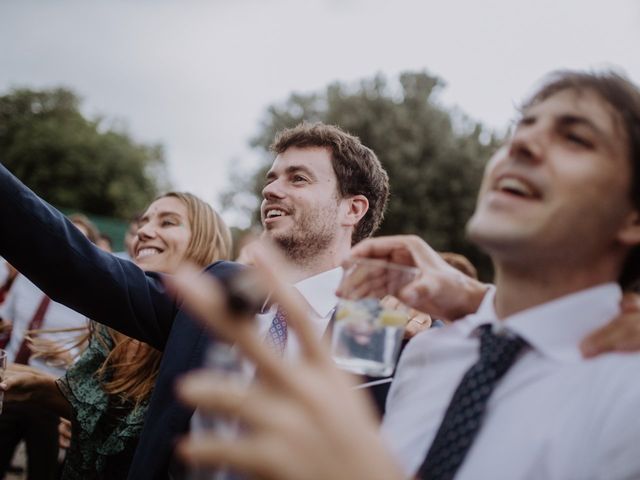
(246, 295)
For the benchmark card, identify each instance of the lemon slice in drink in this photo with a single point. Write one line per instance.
(393, 318)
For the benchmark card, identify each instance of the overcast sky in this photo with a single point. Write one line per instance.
(197, 76)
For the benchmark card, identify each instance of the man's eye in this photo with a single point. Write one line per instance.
(578, 140)
(299, 178)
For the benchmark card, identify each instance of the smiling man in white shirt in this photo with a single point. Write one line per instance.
(324, 192)
(558, 211)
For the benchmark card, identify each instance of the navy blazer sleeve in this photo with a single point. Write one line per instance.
(45, 247)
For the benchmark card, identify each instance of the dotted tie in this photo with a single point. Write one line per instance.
(463, 418)
(277, 334)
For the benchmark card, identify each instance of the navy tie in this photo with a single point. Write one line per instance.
(277, 334)
(463, 417)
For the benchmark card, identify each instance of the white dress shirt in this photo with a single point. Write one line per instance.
(319, 292)
(20, 306)
(554, 415)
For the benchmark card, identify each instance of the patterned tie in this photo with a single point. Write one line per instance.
(277, 334)
(463, 417)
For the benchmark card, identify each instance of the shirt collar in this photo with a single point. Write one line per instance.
(319, 290)
(554, 328)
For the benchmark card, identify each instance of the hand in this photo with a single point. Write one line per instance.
(64, 433)
(622, 334)
(439, 290)
(5, 326)
(22, 383)
(416, 322)
(304, 421)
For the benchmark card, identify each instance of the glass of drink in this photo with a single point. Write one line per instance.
(226, 361)
(3, 367)
(367, 335)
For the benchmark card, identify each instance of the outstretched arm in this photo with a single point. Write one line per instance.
(45, 247)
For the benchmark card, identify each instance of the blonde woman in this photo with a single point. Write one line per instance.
(107, 392)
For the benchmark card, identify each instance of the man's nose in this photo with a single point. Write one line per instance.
(527, 143)
(273, 190)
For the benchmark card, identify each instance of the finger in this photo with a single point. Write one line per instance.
(252, 405)
(204, 297)
(390, 248)
(418, 293)
(630, 302)
(243, 454)
(267, 259)
(390, 302)
(611, 337)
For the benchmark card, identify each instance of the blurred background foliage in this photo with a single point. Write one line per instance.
(434, 155)
(74, 162)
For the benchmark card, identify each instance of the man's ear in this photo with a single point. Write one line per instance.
(357, 206)
(629, 234)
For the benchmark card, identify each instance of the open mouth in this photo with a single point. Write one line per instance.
(517, 187)
(147, 252)
(274, 212)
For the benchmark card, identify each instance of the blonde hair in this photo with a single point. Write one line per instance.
(133, 365)
(209, 242)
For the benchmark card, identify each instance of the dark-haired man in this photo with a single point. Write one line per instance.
(559, 213)
(324, 192)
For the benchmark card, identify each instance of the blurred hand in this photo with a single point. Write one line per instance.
(304, 421)
(5, 326)
(622, 334)
(22, 383)
(439, 290)
(416, 322)
(64, 433)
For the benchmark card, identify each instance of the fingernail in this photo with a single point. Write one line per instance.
(588, 350)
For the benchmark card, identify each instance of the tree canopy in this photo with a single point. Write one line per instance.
(74, 162)
(434, 155)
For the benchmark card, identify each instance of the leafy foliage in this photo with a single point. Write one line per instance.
(73, 162)
(434, 155)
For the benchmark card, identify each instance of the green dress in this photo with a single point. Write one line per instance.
(105, 428)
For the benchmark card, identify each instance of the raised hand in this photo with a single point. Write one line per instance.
(622, 334)
(439, 290)
(303, 421)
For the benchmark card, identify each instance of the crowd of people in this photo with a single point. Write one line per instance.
(528, 377)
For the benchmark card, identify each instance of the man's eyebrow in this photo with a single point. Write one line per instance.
(299, 168)
(571, 120)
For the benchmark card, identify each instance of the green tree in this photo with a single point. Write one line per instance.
(74, 162)
(434, 155)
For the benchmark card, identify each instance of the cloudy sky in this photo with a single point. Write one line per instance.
(197, 76)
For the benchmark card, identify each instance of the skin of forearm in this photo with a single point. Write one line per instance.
(48, 395)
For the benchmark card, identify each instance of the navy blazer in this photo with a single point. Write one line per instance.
(45, 247)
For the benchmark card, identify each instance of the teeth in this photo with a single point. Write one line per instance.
(275, 213)
(146, 252)
(514, 185)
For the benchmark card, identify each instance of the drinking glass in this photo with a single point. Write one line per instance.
(3, 368)
(367, 335)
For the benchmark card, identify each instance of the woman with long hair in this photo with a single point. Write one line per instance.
(106, 393)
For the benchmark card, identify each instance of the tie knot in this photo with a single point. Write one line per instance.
(497, 349)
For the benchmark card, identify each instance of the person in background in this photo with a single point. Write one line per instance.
(47, 336)
(106, 393)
